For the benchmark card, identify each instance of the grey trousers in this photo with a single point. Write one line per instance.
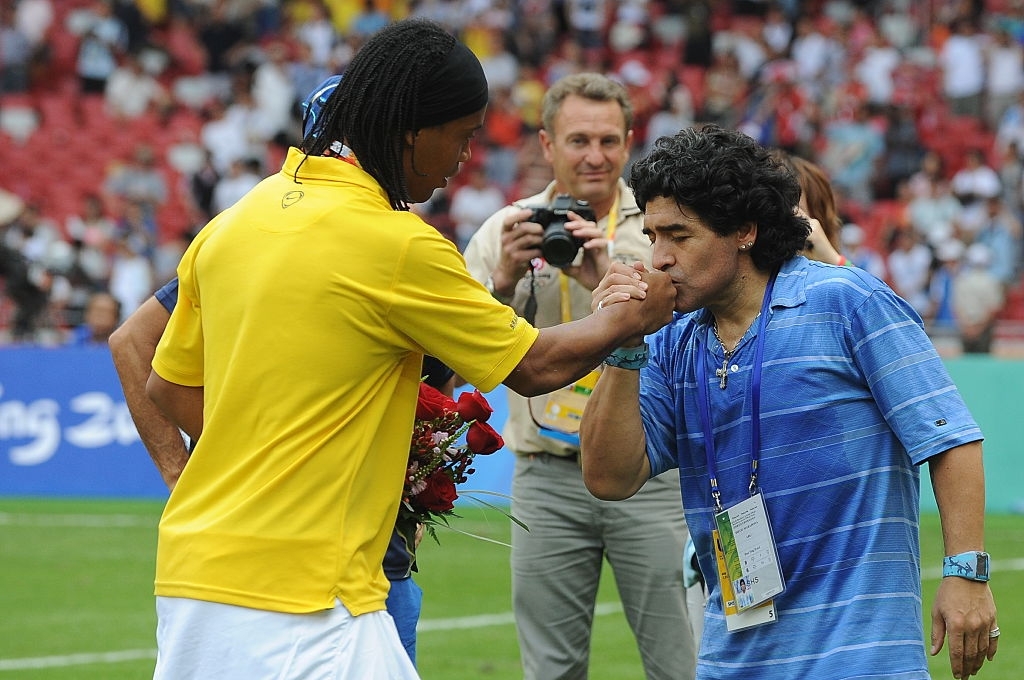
(556, 569)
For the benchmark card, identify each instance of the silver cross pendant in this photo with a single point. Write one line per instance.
(723, 373)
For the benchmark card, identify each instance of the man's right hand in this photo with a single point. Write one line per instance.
(520, 244)
(621, 283)
(660, 301)
(637, 285)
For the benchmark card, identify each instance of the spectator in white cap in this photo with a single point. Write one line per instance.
(977, 300)
(1000, 230)
(859, 253)
(940, 290)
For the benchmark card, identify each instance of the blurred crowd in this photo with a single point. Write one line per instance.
(125, 125)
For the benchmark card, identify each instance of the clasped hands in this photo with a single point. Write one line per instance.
(651, 293)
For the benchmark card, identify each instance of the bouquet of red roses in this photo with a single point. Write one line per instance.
(447, 435)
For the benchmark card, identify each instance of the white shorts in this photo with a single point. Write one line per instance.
(199, 640)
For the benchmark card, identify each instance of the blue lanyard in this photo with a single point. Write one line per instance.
(704, 403)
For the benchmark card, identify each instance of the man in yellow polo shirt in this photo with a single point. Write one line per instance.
(295, 350)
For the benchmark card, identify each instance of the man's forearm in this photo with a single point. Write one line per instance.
(612, 442)
(958, 479)
(132, 347)
(567, 352)
(183, 405)
(964, 610)
(162, 439)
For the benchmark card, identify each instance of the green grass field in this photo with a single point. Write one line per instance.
(76, 597)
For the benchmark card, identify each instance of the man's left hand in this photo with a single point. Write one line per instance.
(965, 613)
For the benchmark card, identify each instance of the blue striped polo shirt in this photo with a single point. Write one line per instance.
(853, 398)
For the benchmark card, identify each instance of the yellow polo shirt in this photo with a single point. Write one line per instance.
(305, 311)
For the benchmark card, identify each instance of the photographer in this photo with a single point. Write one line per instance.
(556, 566)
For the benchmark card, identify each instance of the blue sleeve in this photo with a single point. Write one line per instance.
(168, 294)
(908, 379)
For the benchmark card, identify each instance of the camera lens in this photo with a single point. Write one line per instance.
(559, 247)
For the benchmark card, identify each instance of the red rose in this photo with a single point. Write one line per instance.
(473, 406)
(440, 494)
(483, 439)
(432, 403)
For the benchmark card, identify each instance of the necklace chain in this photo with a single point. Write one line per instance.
(729, 352)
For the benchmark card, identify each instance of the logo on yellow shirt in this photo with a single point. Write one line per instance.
(291, 198)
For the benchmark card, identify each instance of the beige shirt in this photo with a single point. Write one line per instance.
(629, 244)
(977, 297)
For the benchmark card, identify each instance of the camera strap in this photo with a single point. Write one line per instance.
(563, 408)
(613, 221)
(530, 308)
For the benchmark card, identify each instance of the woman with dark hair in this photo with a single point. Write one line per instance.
(818, 202)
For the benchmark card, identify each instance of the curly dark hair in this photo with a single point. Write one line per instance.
(728, 180)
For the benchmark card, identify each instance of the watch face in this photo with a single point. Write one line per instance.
(982, 566)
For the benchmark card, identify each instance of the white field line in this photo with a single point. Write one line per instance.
(425, 626)
(503, 619)
(76, 659)
(86, 521)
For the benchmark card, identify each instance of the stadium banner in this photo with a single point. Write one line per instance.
(65, 430)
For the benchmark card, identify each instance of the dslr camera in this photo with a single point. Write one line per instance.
(558, 245)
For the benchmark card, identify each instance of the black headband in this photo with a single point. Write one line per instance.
(453, 90)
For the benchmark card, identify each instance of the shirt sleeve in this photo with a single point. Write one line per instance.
(167, 295)
(444, 311)
(179, 355)
(907, 378)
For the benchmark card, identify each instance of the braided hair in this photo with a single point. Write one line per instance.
(376, 102)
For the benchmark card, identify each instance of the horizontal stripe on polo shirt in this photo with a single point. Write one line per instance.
(853, 397)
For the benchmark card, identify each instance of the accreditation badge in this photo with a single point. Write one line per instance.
(563, 410)
(734, 618)
(750, 556)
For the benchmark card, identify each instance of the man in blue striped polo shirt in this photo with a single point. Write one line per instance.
(809, 391)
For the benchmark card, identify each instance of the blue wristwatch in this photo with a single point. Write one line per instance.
(630, 358)
(971, 565)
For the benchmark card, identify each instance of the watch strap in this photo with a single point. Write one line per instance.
(629, 358)
(972, 565)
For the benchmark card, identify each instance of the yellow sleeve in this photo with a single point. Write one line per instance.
(179, 355)
(451, 316)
